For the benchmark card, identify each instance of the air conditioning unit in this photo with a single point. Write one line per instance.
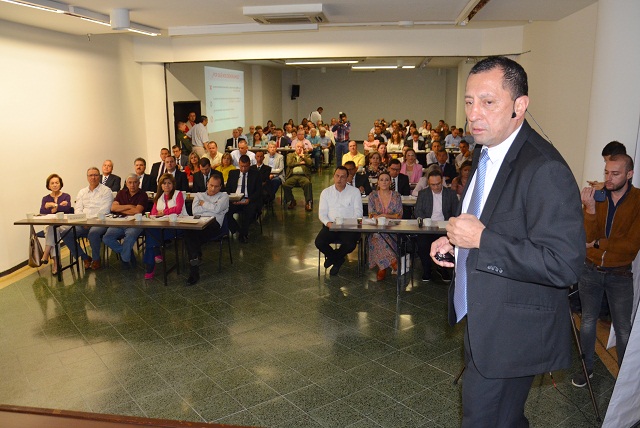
(287, 14)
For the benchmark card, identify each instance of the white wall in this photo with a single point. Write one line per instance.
(559, 67)
(67, 104)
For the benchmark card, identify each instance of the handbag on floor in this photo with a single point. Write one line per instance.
(35, 250)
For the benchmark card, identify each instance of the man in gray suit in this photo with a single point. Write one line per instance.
(276, 161)
(437, 203)
(519, 244)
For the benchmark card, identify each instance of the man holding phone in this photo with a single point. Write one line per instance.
(613, 241)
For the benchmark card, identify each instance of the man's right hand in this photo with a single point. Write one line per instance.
(442, 246)
(586, 195)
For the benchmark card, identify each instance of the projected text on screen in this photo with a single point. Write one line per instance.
(224, 91)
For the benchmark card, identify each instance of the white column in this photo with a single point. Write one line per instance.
(257, 91)
(615, 93)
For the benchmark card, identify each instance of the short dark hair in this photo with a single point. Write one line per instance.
(342, 168)
(203, 118)
(244, 159)
(349, 163)
(141, 160)
(216, 176)
(395, 161)
(465, 164)
(614, 148)
(258, 151)
(514, 77)
(435, 172)
(53, 176)
(175, 146)
(204, 162)
(163, 149)
(628, 162)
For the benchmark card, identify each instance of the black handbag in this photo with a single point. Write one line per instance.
(35, 250)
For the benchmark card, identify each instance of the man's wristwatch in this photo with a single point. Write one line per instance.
(596, 244)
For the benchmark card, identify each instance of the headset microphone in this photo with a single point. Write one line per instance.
(513, 115)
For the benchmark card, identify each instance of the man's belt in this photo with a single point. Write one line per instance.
(617, 270)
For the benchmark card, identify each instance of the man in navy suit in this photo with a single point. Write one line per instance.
(181, 159)
(147, 183)
(247, 181)
(182, 182)
(519, 245)
(448, 171)
(108, 179)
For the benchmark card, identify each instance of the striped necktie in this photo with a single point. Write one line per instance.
(475, 204)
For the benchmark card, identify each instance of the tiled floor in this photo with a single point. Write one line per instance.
(264, 343)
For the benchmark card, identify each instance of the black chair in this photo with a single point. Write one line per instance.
(221, 237)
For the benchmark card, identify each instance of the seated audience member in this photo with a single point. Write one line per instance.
(448, 170)
(108, 179)
(280, 139)
(193, 166)
(452, 140)
(371, 144)
(384, 156)
(226, 166)
(201, 178)
(399, 181)
(416, 142)
(353, 155)
(263, 135)
(379, 135)
(249, 135)
(243, 149)
(181, 159)
(54, 202)
(182, 183)
(158, 168)
(92, 200)
(212, 203)
(338, 200)
(464, 155)
(359, 181)
(435, 147)
(265, 171)
(247, 182)
(147, 183)
(383, 202)
(301, 137)
(410, 167)
(375, 167)
(276, 162)
(235, 139)
(128, 201)
(325, 145)
(298, 175)
(168, 200)
(257, 140)
(396, 142)
(182, 139)
(316, 153)
(214, 156)
(460, 182)
(437, 203)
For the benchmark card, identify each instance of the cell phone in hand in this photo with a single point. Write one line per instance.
(599, 195)
(446, 257)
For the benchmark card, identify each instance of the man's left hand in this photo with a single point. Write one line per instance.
(465, 231)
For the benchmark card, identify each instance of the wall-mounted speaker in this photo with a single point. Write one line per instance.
(295, 91)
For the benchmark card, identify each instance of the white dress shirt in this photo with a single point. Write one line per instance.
(94, 202)
(214, 206)
(345, 204)
(199, 135)
(235, 156)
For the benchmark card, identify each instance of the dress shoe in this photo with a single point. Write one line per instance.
(426, 277)
(337, 264)
(327, 262)
(309, 206)
(292, 205)
(194, 275)
(125, 265)
(382, 273)
(244, 239)
(87, 262)
(95, 265)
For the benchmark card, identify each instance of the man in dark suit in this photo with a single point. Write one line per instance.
(280, 139)
(201, 178)
(158, 168)
(247, 181)
(235, 139)
(108, 179)
(359, 181)
(399, 181)
(147, 183)
(265, 172)
(181, 159)
(182, 182)
(448, 171)
(519, 245)
(437, 203)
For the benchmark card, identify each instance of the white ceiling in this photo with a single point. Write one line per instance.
(166, 14)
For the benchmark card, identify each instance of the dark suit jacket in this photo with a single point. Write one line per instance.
(184, 160)
(155, 169)
(531, 251)
(229, 142)
(449, 171)
(424, 204)
(254, 184)
(264, 171)
(113, 182)
(182, 182)
(284, 141)
(198, 181)
(363, 181)
(404, 188)
(148, 184)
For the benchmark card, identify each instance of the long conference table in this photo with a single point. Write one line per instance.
(151, 222)
(393, 229)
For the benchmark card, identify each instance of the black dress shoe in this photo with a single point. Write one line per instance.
(194, 275)
(244, 239)
(327, 262)
(336, 267)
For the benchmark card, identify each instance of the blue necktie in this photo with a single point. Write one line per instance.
(460, 292)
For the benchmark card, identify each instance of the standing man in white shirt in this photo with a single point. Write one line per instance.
(316, 116)
(199, 136)
(93, 200)
(343, 201)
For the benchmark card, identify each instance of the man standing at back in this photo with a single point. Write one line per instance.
(199, 136)
(341, 130)
(519, 246)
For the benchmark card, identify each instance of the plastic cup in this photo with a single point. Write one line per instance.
(137, 217)
(382, 221)
(30, 216)
(60, 216)
(102, 216)
(173, 218)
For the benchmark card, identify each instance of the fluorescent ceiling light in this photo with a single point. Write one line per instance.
(321, 62)
(374, 67)
(89, 15)
(46, 5)
(409, 66)
(153, 33)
